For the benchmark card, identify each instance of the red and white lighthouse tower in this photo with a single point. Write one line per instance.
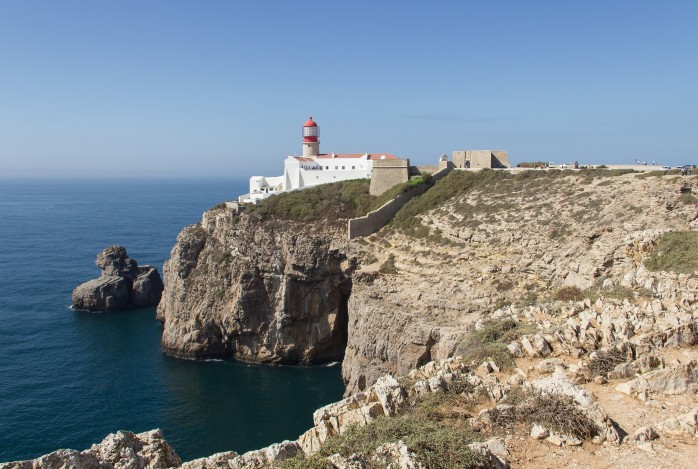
(311, 144)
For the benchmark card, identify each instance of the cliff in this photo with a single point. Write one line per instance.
(534, 320)
(479, 241)
(270, 290)
(267, 292)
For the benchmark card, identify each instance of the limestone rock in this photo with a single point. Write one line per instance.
(355, 461)
(643, 435)
(147, 288)
(678, 379)
(121, 450)
(108, 293)
(265, 457)
(494, 451)
(261, 292)
(389, 393)
(123, 284)
(396, 455)
(538, 432)
(215, 461)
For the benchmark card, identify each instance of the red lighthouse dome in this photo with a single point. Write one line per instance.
(310, 130)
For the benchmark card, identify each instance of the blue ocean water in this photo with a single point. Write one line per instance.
(67, 378)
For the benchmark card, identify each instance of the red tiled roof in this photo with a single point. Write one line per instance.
(308, 160)
(371, 156)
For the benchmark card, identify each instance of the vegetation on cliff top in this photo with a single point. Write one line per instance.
(340, 200)
(328, 202)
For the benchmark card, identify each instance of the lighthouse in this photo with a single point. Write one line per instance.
(311, 132)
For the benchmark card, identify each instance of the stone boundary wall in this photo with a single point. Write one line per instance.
(377, 219)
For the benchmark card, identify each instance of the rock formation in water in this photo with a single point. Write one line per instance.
(261, 292)
(123, 284)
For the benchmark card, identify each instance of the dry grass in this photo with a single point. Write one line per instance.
(557, 413)
(605, 361)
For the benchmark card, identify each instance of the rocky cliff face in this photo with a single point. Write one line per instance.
(284, 292)
(513, 241)
(264, 292)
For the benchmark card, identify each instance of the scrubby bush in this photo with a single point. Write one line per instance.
(330, 202)
(569, 294)
(675, 251)
(605, 361)
(436, 445)
(490, 342)
(533, 164)
(555, 412)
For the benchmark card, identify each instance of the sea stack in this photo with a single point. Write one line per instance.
(123, 284)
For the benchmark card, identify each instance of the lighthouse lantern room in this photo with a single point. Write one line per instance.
(311, 132)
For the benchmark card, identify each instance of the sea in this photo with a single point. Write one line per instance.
(68, 378)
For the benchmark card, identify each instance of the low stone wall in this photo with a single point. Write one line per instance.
(377, 219)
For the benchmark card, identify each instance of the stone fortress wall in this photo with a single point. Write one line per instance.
(377, 219)
(388, 173)
(481, 159)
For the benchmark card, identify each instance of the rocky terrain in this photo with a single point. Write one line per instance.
(122, 285)
(509, 240)
(121, 450)
(543, 319)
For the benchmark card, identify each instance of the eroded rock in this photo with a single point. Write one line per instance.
(123, 284)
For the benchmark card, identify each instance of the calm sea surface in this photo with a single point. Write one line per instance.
(67, 379)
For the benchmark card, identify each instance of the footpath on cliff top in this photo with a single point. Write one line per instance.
(545, 318)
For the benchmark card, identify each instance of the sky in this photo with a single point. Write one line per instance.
(222, 88)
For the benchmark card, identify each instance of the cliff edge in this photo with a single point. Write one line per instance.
(259, 291)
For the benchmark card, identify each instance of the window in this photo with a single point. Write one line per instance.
(336, 167)
(353, 167)
(342, 167)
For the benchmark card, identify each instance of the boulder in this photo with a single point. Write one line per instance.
(123, 284)
(107, 293)
(679, 379)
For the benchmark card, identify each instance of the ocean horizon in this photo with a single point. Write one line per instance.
(69, 378)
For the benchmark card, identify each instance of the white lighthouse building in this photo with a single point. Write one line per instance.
(313, 168)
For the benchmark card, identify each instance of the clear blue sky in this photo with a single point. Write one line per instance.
(222, 88)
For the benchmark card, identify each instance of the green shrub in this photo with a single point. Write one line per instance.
(491, 342)
(533, 164)
(436, 445)
(330, 202)
(455, 183)
(676, 252)
(301, 462)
